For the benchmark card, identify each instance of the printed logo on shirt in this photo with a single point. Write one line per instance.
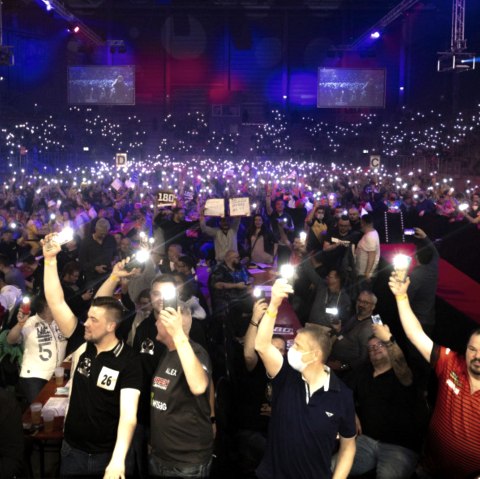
(282, 330)
(453, 375)
(44, 339)
(161, 406)
(85, 366)
(147, 347)
(59, 334)
(452, 386)
(329, 414)
(171, 372)
(107, 379)
(161, 383)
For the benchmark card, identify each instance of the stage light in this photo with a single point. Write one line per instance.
(73, 28)
(48, 5)
(375, 35)
(402, 88)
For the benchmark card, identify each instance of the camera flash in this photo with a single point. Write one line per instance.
(287, 271)
(169, 292)
(401, 262)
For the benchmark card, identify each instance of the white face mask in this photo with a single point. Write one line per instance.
(295, 359)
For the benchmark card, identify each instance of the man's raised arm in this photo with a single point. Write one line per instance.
(411, 325)
(195, 372)
(270, 355)
(118, 272)
(250, 356)
(63, 315)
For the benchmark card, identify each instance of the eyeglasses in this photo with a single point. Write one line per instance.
(375, 347)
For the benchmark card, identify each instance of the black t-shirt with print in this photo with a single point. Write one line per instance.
(181, 431)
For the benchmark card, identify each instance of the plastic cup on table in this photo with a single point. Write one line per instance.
(48, 418)
(36, 411)
(59, 375)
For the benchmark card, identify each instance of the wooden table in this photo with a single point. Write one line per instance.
(37, 434)
(45, 394)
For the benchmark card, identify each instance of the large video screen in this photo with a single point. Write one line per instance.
(101, 85)
(350, 88)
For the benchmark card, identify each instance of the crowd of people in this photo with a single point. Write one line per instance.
(83, 134)
(155, 305)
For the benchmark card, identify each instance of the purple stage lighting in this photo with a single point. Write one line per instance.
(48, 6)
(375, 35)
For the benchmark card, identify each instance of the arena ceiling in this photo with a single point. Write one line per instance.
(377, 6)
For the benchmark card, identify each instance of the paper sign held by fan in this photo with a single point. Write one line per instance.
(239, 206)
(215, 207)
(165, 198)
(116, 184)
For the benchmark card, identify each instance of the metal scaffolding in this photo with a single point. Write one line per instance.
(391, 16)
(457, 58)
(66, 14)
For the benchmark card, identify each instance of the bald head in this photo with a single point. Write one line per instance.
(232, 258)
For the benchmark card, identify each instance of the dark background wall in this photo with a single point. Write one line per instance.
(189, 56)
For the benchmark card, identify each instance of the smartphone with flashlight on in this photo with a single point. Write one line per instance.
(287, 271)
(25, 305)
(376, 319)
(258, 293)
(138, 260)
(409, 231)
(169, 297)
(401, 264)
(64, 236)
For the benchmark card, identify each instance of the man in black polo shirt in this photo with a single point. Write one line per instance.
(106, 382)
(149, 351)
(310, 405)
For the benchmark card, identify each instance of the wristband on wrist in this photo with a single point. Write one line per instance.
(114, 278)
(401, 297)
(51, 262)
(253, 323)
(270, 314)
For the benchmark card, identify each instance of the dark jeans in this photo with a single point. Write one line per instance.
(251, 449)
(138, 452)
(390, 460)
(160, 469)
(30, 387)
(81, 464)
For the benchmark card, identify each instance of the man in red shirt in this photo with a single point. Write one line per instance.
(453, 441)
